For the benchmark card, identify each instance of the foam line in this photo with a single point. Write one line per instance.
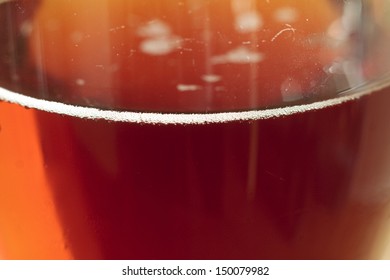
(183, 118)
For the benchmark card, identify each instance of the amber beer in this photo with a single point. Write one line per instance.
(193, 130)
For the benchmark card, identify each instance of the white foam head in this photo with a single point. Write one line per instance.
(183, 118)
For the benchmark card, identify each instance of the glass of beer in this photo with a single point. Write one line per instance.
(194, 129)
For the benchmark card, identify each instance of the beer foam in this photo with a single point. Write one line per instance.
(184, 118)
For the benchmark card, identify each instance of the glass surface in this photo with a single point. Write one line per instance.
(194, 129)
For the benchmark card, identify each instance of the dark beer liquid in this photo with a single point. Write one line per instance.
(311, 185)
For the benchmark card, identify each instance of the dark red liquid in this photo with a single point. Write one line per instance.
(312, 185)
(301, 186)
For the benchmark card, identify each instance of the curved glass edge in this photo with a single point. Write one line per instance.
(189, 118)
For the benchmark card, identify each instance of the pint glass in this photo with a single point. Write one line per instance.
(194, 129)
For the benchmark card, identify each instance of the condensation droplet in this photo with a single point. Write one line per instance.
(154, 28)
(211, 78)
(240, 55)
(160, 45)
(336, 31)
(114, 29)
(26, 28)
(291, 90)
(286, 15)
(334, 68)
(183, 87)
(80, 82)
(76, 37)
(248, 22)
